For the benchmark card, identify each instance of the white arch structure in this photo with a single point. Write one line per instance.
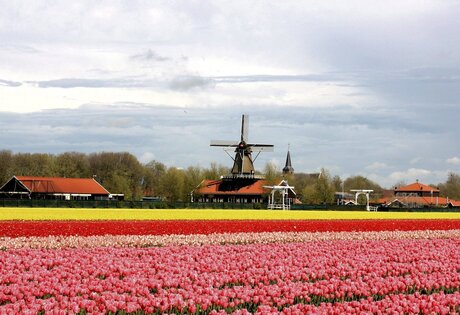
(365, 192)
(283, 189)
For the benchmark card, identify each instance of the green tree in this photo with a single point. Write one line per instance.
(153, 171)
(121, 184)
(324, 190)
(272, 173)
(337, 183)
(72, 165)
(361, 182)
(451, 188)
(215, 171)
(37, 164)
(318, 189)
(303, 184)
(309, 195)
(6, 166)
(172, 185)
(111, 168)
(193, 176)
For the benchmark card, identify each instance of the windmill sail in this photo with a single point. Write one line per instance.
(244, 128)
(243, 163)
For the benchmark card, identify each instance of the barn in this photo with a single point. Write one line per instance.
(225, 190)
(32, 187)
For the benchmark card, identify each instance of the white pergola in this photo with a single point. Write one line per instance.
(283, 190)
(365, 192)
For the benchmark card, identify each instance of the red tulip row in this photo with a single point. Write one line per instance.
(337, 276)
(165, 227)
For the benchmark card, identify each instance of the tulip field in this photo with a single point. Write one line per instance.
(218, 262)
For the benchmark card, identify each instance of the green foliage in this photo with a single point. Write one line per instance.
(337, 183)
(361, 182)
(37, 164)
(118, 172)
(323, 188)
(451, 188)
(121, 172)
(319, 190)
(172, 184)
(6, 163)
(215, 171)
(272, 173)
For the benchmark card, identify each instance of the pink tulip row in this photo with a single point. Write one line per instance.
(325, 276)
(55, 242)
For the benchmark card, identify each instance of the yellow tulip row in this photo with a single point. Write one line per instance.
(207, 214)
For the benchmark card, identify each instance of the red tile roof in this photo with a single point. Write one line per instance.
(455, 203)
(62, 185)
(426, 201)
(416, 187)
(212, 187)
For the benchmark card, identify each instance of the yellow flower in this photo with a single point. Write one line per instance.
(207, 214)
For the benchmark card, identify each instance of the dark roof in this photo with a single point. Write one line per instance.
(221, 187)
(288, 166)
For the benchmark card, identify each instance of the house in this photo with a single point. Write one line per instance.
(32, 187)
(250, 190)
(416, 190)
(417, 195)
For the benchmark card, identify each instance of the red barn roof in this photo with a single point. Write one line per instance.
(62, 185)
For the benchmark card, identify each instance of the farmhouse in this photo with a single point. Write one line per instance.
(31, 187)
(417, 195)
(223, 190)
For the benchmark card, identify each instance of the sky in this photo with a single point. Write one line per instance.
(368, 88)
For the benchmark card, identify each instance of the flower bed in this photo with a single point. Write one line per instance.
(230, 262)
(386, 272)
(164, 227)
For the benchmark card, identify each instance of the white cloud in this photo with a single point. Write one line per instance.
(454, 160)
(344, 82)
(413, 174)
(376, 166)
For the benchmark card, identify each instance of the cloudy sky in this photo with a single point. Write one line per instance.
(366, 88)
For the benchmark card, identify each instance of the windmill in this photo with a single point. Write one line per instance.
(243, 163)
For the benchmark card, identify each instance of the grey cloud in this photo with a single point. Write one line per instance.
(180, 83)
(185, 83)
(67, 83)
(434, 74)
(277, 78)
(343, 137)
(10, 83)
(149, 55)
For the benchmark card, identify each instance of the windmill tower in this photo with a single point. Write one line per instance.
(243, 163)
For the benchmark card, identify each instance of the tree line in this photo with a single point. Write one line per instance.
(121, 172)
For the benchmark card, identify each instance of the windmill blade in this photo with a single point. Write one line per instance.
(223, 143)
(244, 128)
(262, 147)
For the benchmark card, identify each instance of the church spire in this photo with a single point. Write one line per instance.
(288, 169)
